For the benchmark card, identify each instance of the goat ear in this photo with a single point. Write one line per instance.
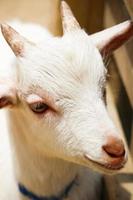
(69, 22)
(14, 39)
(8, 96)
(112, 38)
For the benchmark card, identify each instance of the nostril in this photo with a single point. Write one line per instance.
(114, 147)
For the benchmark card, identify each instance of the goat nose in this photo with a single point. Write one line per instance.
(114, 147)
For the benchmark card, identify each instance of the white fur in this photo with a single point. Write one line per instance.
(48, 151)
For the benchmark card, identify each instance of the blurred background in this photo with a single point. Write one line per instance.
(93, 16)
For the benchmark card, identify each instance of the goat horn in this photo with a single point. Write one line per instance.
(69, 22)
(14, 39)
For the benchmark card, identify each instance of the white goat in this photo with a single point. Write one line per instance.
(58, 123)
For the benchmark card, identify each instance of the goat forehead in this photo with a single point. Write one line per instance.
(62, 63)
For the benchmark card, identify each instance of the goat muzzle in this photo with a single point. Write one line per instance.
(115, 153)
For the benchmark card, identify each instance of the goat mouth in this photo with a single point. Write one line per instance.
(113, 165)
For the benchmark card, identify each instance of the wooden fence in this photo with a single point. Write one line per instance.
(120, 187)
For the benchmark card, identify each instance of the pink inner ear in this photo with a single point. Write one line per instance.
(7, 96)
(4, 101)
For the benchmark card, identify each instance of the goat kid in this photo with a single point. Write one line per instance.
(58, 123)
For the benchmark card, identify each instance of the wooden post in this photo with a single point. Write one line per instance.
(129, 5)
(131, 144)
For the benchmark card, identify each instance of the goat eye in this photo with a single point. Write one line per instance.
(39, 107)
